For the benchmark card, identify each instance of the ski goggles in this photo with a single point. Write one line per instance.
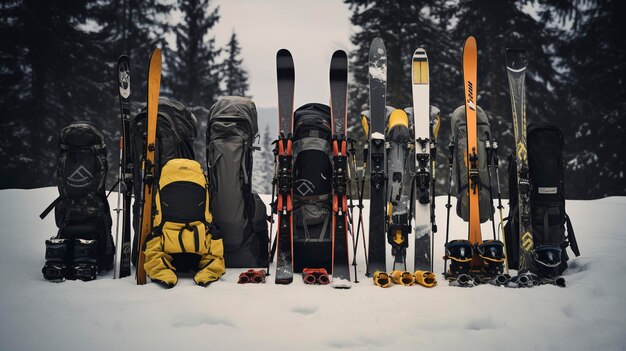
(315, 276)
(548, 256)
(252, 276)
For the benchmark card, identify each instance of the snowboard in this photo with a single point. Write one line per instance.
(378, 163)
(338, 109)
(421, 122)
(154, 85)
(285, 74)
(516, 71)
(123, 249)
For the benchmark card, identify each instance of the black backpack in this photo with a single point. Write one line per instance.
(82, 213)
(312, 186)
(548, 216)
(176, 130)
(238, 213)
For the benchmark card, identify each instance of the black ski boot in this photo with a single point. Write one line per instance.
(460, 253)
(57, 258)
(547, 262)
(492, 254)
(85, 259)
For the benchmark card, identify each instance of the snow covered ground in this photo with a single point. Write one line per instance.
(109, 314)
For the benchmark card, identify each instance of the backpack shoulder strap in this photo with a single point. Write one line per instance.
(571, 237)
(54, 203)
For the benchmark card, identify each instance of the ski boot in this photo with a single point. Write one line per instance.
(382, 279)
(85, 260)
(425, 278)
(252, 276)
(57, 257)
(404, 278)
(491, 253)
(460, 253)
(315, 276)
(547, 263)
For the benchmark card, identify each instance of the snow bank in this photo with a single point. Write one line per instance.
(109, 314)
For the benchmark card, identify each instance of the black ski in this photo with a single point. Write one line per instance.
(378, 163)
(516, 71)
(285, 73)
(123, 250)
(338, 103)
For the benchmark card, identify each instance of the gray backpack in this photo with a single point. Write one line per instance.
(459, 132)
(239, 215)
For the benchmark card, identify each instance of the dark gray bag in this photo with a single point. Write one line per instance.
(238, 214)
(459, 131)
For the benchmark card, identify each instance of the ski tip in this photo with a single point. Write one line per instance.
(340, 55)
(156, 56)
(516, 60)
(420, 54)
(377, 49)
(378, 41)
(471, 41)
(283, 53)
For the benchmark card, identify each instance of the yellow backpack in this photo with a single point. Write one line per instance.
(182, 206)
(182, 225)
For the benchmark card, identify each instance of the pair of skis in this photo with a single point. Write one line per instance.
(125, 176)
(421, 183)
(516, 69)
(284, 207)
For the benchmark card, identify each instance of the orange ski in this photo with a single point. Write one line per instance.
(154, 85)
(470, 61)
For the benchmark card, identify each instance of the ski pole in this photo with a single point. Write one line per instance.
(451, 148)
(433, 167)
(272, 245)
(351, 207)
(500, 207)
(489, 150)
(118, 247)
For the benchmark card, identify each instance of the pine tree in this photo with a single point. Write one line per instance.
(263, 165)
(193, 71)
(51, 81)
(403, 26)
(594, 92)
(235, 76)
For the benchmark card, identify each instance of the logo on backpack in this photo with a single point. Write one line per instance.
(80, 178)
(305, 187)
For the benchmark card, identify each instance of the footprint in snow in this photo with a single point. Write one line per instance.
(304, 310)
(481, 324)
(196, 321)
